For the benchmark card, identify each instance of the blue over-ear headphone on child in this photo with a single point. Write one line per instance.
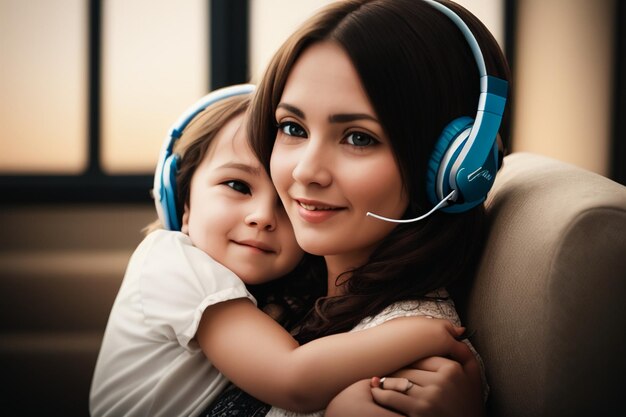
(463, 165)
(164, 191)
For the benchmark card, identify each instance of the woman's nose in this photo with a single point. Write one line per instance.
(312, 166)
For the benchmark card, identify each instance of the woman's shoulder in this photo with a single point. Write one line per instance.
(436, 304)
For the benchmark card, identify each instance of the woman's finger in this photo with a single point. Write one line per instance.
(417, 376)
(402, 385)
(404, 404)
(439, 378)
(445, 369)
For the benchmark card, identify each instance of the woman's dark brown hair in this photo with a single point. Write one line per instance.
(419, 74)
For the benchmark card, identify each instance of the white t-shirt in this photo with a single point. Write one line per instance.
(149, 362)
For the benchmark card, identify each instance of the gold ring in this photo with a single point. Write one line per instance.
(409, 385)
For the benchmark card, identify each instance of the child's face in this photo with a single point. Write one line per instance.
(234, 213)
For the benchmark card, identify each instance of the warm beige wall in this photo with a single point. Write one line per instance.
(272, 21)
(563, 80)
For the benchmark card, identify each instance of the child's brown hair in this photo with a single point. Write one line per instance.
(196, 141)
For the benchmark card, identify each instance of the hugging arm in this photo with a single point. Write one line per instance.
(440, 387)
(259, 356)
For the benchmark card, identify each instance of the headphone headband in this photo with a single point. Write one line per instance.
(469, 36)
(164, 187)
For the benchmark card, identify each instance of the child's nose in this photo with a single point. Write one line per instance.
(263, 218)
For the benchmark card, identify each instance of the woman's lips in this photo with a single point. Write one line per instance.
(316, 211)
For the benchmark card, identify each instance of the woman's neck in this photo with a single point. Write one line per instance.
(338, 265)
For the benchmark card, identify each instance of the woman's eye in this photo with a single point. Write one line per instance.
(238, 186)
(360, 139)
(292, 129)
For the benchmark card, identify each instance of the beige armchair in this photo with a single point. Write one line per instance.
(548, 301)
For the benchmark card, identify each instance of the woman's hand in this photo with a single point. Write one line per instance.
(437, 387)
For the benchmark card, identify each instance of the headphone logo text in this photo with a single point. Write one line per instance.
(480, 172)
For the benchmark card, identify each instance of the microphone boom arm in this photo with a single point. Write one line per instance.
(441, 204)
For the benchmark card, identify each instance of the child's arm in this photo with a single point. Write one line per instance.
(259, 356)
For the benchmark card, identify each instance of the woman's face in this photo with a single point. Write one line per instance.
(332, 161)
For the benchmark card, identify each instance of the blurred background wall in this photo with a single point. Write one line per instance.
(564, 80)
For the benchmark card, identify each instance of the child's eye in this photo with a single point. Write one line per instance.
(292, 129)
(238, 186)
(360, 139)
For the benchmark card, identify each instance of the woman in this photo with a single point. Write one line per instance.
(348, 119)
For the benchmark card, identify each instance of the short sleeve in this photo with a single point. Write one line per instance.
(178, 282)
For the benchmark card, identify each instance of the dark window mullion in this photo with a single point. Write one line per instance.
(95, 81)
(618, 134)
(510, 39)
(510, 30)
(229, 29)
(38, 189)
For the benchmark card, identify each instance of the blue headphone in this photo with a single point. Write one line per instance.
(164, 191)
(463, 164)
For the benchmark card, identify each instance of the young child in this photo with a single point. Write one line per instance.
(184, 322)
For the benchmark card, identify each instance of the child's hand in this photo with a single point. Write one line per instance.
(441, 337)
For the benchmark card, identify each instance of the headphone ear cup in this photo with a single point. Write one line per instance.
(168, 202)
(445, 153)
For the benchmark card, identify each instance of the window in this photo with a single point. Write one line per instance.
(43, 84)
(154, 65)
(90, 87)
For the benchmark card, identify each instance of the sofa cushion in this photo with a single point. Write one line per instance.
(547, 301)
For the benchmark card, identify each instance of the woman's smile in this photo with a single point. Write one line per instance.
(317, 212)
(313, 206)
